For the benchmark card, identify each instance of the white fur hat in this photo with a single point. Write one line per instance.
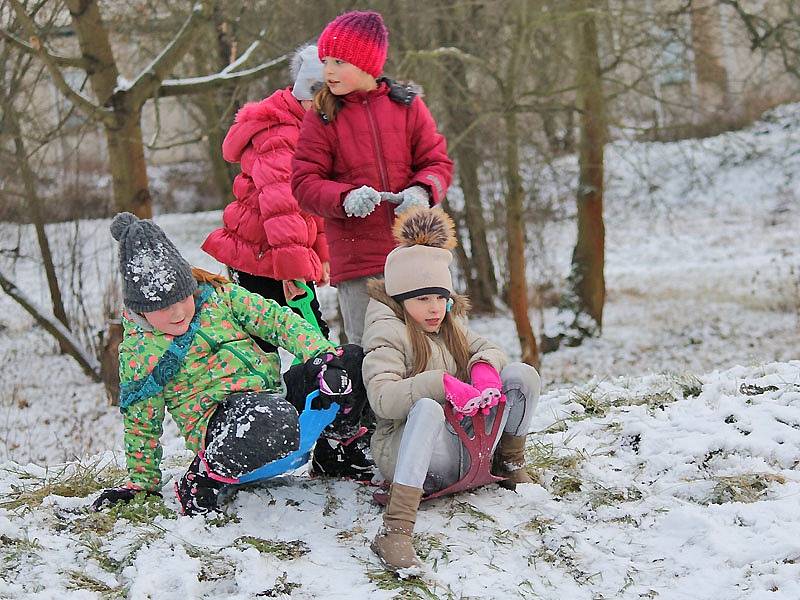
(306, 70)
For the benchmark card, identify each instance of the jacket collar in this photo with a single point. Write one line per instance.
(360, 95)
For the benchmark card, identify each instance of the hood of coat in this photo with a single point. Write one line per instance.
(386, 307)
(279, 108)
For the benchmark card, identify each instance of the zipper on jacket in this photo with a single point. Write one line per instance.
(237, 354)
(376, 142)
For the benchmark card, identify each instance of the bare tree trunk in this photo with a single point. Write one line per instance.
(515, 223)
(588, 258)
(124, 135)
(484, 287)
(220, 169)
(712, 77)
(581, 305)
(517, 281)
(127, 164)
(478, 268)
(217, 106)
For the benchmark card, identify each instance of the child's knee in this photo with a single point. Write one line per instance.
(427, 410)
(521, 376)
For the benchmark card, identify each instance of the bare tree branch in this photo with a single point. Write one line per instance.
(150, 79)
(193, 85)
(63, 335)
(76, 62)
(79, 100)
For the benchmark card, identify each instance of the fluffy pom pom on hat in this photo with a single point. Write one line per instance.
(420, 265)
(154, 274)
(357, 37)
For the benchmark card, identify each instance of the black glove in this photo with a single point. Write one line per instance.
(111, 496)
(327, 373)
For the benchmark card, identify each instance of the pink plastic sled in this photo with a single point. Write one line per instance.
(479, 448)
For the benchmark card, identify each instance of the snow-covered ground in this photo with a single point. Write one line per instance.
(668, 448)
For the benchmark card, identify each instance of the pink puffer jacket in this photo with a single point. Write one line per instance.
(264, 231)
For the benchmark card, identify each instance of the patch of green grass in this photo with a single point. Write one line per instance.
(503, 537)
(222, 519)
(563, 485)
(459, 506)
(278, 548)
(15, 552)
(546, 456)
(94, 549)
(594, 404)
(563, 463)
(281, 588)
(540, 525)
(408, 588)
(74, 480)
(602, 496)
(332, 502)
(78, 580)
(430, 548)
(142, 510)
(690, 385)
(748, 487)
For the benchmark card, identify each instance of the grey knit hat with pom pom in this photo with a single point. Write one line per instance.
(154, 274)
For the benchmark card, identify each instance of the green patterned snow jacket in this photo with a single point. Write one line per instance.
(221, 359)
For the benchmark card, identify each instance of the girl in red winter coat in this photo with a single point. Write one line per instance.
(370, 151)
(266, 241)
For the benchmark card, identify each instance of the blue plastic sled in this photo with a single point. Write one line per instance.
(312, 422)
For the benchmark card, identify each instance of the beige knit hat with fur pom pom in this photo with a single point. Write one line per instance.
(420, 265)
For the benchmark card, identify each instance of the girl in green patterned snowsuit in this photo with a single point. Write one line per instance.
(188, 349)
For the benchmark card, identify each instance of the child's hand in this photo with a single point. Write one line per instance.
(491, 397)
(327, 373)
(111, 496)
(361, 201)
(487, 380)
(409, 198)
(466, 400)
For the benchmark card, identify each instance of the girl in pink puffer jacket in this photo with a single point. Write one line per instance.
(266, 241)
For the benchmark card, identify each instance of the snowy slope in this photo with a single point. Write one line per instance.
(655, 487)
(648, 490)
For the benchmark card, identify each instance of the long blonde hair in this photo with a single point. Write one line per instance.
(453, 336)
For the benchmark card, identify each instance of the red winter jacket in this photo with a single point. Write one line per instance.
(265, 233)
(377, 141)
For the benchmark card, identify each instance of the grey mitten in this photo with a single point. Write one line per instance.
(411, 197)
(360, 202)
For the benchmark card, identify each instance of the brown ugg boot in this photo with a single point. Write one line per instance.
(509, 460)
(392, 544)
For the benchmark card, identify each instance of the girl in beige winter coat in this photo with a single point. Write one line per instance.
(419, 355)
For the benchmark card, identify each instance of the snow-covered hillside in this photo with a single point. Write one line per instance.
(655, 487)
(668, 448)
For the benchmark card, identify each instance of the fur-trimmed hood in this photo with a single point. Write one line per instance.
(280, 108)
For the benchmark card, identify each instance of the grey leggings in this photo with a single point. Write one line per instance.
(432, 457)
(353, 300)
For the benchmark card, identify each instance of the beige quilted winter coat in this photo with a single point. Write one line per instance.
(388, 364)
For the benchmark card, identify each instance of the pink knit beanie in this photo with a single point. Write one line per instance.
(357, 37)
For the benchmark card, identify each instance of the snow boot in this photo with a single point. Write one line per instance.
(350, 459)
(509, 461)
(392, 544)
(197, 493)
